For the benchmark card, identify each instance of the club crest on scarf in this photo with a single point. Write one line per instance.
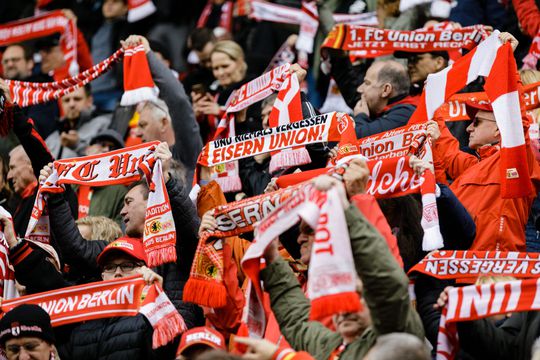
(116, 167)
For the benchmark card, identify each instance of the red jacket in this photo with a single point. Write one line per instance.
(528, 15)
(500, 223)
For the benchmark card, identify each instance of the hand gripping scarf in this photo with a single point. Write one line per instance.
(496, 62)
(480, 301)
(127, 296)
(332, 274)
(116, 167)
(374, 42)
(472, 264)
(287, 109)
(44, 25)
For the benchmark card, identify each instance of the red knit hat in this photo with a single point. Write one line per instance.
(130, 246)
(138, 83)
(139, 9)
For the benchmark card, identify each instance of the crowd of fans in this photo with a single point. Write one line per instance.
(197, 60)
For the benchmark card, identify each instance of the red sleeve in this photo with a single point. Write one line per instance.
(528, 15)
(371, 210)
(84, 57)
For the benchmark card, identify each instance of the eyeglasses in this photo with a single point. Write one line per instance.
(125, 267)
(31, 346)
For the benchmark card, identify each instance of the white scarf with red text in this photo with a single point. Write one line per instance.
(116, 167)
(480, 301)
(104, 299)
(332, 274)
(43, 25)
(7, 274)
(496, 62)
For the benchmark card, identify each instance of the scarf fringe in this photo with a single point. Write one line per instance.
(432, 239)
(161, 256)
(133, 97)
(329, 305)
(229, 183)
(205, 293)
(289, 158)
(167, 329)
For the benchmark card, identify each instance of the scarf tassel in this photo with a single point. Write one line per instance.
(205, 293)
(160, 256)
(168, 327)
(289, 158)
(347, 302)
(229, 183)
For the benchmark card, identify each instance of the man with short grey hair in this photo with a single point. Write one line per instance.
(401, 346)
(384, 103)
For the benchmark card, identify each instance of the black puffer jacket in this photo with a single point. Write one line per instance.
(82, 254)
(119, 338)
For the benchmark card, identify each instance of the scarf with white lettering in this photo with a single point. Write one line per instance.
(530, 61)
(287, 109)
(496, 62)
(372, 42)
(455, 108)
(472, 264)
(127, 296)
(320, 128)
(480, 301)
(43, 25)
(116, 167)
(331, 283)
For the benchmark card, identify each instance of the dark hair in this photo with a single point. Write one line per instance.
(88, 89)
(269, 100)
(28, 53)
(144, 185)
(200, 37)
(159, 47)
(396, 75)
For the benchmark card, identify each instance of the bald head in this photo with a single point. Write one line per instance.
(395, 74)
(398, 346)
(20, 171)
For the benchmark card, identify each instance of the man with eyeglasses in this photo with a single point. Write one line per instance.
(476, 182)
(26, 333)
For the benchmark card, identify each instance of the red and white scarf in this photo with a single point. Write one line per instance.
(307, 17)
(455, 108)
(225, 19)
(496, 62)
(104, 299)
(138, 83)
(287, 110)
(480, 301)
(46, 24)
(116, 167)
(370, 42)
(530, 61)
(139, 9)
(332, 274)
(7, 274)
(471, 264)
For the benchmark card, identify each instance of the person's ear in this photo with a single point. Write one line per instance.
(386, 90)
(440, 63)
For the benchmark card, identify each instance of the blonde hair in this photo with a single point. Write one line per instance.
(102, 228)
(234, 51)
(483, 280)
(530, 76)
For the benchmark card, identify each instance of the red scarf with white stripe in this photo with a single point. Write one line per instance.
(112, 168)
(287, 109)
(43, 25)
(371, 42)
(332, 275)
(7, 274)
(128, 296)
(472, 264)
(496, 62)
(480, 301)
(225, 18)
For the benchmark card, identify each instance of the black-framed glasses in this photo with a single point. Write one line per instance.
(128, 266)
